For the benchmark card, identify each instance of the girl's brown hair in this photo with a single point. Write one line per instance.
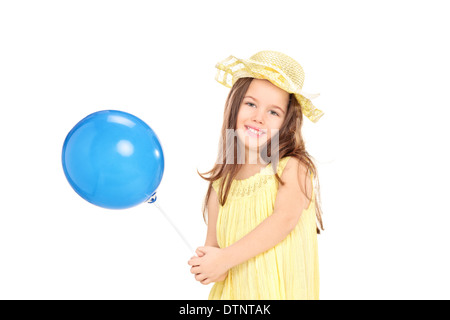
(290, 144)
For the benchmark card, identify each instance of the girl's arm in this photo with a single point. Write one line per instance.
(211, 236)
(213, 212)
(289, 205)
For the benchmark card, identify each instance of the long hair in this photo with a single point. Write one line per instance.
(290, 144)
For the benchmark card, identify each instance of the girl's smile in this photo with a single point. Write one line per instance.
(254, 132)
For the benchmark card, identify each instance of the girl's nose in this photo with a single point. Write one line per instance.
(258, 116)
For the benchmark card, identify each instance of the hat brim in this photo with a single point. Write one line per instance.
(233, 68)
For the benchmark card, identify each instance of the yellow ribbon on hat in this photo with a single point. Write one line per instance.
(278, 68)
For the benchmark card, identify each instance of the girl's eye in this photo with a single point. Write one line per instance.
(248, 103)
(274, 113)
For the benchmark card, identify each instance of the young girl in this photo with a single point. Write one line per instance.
(261, 205)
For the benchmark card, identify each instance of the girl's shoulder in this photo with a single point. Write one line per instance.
(296, 174)
(293, 166)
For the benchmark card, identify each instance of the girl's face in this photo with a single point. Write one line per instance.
(261, 113)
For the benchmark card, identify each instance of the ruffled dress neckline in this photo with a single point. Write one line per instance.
(248, 186)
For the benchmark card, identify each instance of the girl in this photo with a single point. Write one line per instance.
(261, 205)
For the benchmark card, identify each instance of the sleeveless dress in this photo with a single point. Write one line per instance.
(290, 270)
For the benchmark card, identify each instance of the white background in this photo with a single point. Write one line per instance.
(381, 67)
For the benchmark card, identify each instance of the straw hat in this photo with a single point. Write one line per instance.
(278, 68)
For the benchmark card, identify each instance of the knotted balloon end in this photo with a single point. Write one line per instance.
(152, 198)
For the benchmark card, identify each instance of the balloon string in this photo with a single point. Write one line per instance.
(176, 229)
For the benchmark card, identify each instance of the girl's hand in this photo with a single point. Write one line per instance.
(210, 265)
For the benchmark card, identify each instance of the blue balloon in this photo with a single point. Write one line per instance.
(113, 159)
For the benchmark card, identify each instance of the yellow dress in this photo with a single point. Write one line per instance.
(290, 270)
